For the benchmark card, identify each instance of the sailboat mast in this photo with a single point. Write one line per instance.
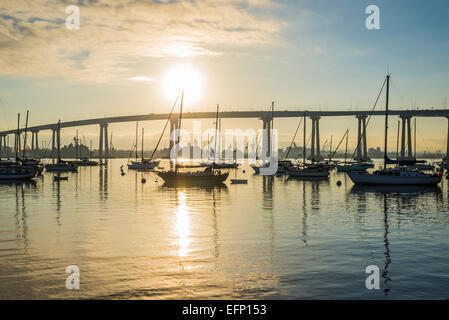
(137, 133)
(179, 132)
(76, 146)
(25, 137)
(293, 140)
(397, 141)
(58, 141)
(386, 121)
(216, 134)
(346, 149)
(414, 142)
(17, 140)
(143, 131)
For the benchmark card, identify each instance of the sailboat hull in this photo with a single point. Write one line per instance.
(365, 178)
(307, 173)
(189, 178)
(61, 168)
(353, 167)
(138, 165)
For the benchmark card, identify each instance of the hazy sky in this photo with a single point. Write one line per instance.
(312, 54)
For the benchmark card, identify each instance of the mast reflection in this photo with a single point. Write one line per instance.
(393, 198)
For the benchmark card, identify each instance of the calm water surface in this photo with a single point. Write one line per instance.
(269, 239)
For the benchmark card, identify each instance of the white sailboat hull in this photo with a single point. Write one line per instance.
(136, 165)
(365, 178)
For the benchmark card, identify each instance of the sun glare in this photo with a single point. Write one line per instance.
(183, 78)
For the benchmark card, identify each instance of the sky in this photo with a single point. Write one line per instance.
(302, 54)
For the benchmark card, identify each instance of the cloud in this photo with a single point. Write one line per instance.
(34, 40)
(142, 79)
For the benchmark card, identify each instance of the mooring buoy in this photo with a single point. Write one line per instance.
(338, 183)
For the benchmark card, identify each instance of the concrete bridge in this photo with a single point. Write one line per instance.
(265, 116)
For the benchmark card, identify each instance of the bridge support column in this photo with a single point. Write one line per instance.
(1, 144)
(106, 142)
(103, 144)
(446, 158)
(32, 143)
(100, 145)
(406, 135)
(173, 134)
(315, 153)
(58, 142)
(362, 148)
(409, 139)
(312, 143)
(53, 136)
(266, 147)
(318, 152)
(365, 146)
(36, 144)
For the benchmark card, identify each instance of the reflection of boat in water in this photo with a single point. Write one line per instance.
(418, 189)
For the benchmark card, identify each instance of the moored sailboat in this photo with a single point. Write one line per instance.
(61, 165)
(207, 176)
(308, 170)
(400, 175)
(142, 164)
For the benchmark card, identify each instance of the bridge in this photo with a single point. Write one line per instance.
(265, 116)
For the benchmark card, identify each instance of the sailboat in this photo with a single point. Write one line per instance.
(20, 169)
(143, 164)
(61, 165)
(215, 164)
(399, 175)
(307, 170)
(351, 165)
(83, 161)
(257, 168)
(208, 176)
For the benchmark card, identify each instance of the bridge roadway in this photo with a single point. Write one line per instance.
(265, 116)
(233, 114)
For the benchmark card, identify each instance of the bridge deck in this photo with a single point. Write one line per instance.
(235, 114)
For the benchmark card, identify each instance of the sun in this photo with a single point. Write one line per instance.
(183, 77)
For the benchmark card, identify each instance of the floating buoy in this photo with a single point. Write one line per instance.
(338, 183)
(243, 171)
(144, 180)
(122, 173)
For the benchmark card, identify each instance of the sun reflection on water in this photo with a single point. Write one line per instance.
(182, 227)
